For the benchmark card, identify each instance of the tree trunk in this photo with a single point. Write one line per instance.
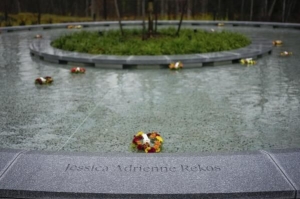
(5, 11)
(144, 25)
(150, 18)
(219, 9)
(93, 10)
(39, 11)
(18, 6)
(271, 10)
(162, 8)
(138, 9)
(86, 8)
(203, 7)
(251, 10)
(290, 8)
(183, 8)
(104, 9)
(119, 17)
(242, 10)
(283, 10)
(189, 9)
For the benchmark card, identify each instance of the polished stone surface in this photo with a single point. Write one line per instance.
(7, 156)
(227, 175)
(288, 160)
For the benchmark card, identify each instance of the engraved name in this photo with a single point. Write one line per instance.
(164, 169)
(96, 168)
(139, 168)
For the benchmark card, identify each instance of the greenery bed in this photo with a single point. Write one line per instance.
(165, 42)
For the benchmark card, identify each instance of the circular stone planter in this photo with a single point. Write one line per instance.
(43, 50)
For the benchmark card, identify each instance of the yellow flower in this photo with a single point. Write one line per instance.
(159, 138)
(139, 133)
(157, 150)
(147, 149)
(156, 142)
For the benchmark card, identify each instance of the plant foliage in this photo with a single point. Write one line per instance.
(163, 43)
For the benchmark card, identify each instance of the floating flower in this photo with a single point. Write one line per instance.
(38, 36)
(44, 80)
(248, 61)
(148, 143)
(176, 65)
(277, 43)
(74, 26)
(285, 53)
(77, 70)
(78, 26)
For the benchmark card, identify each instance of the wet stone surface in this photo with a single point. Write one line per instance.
(223, 108)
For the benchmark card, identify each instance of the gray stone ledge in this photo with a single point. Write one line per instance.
(249, 174)
(168, 22)
(42, 49)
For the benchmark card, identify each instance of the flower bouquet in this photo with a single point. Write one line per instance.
(74, 26)
(44, 80)
(277, 43)
(176, 65)
(148, 143)
(77, 70)
(285, 53)
(248, 61)
(38, 36)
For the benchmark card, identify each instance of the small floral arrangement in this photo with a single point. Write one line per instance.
(277, 43)
(248, 61)
(148, 143)
(176, 65)
(77, 70)
(38, 36)
(285, 53)
(74, 26)
(44, 80)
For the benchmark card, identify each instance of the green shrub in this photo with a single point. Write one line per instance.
(165, 42)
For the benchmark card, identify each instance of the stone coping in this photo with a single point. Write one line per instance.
(249, 174)
(160, 22)
(42, 49)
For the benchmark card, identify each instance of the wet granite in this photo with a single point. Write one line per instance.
(7, 156)
(288, 160)
(75, 175)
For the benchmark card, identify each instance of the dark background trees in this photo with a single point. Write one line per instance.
(248, 10)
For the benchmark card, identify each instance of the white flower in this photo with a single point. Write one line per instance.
(43, 79)
(145, 138)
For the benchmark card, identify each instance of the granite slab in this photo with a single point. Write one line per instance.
(288, 160)
(76, 175)
(7, 156)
